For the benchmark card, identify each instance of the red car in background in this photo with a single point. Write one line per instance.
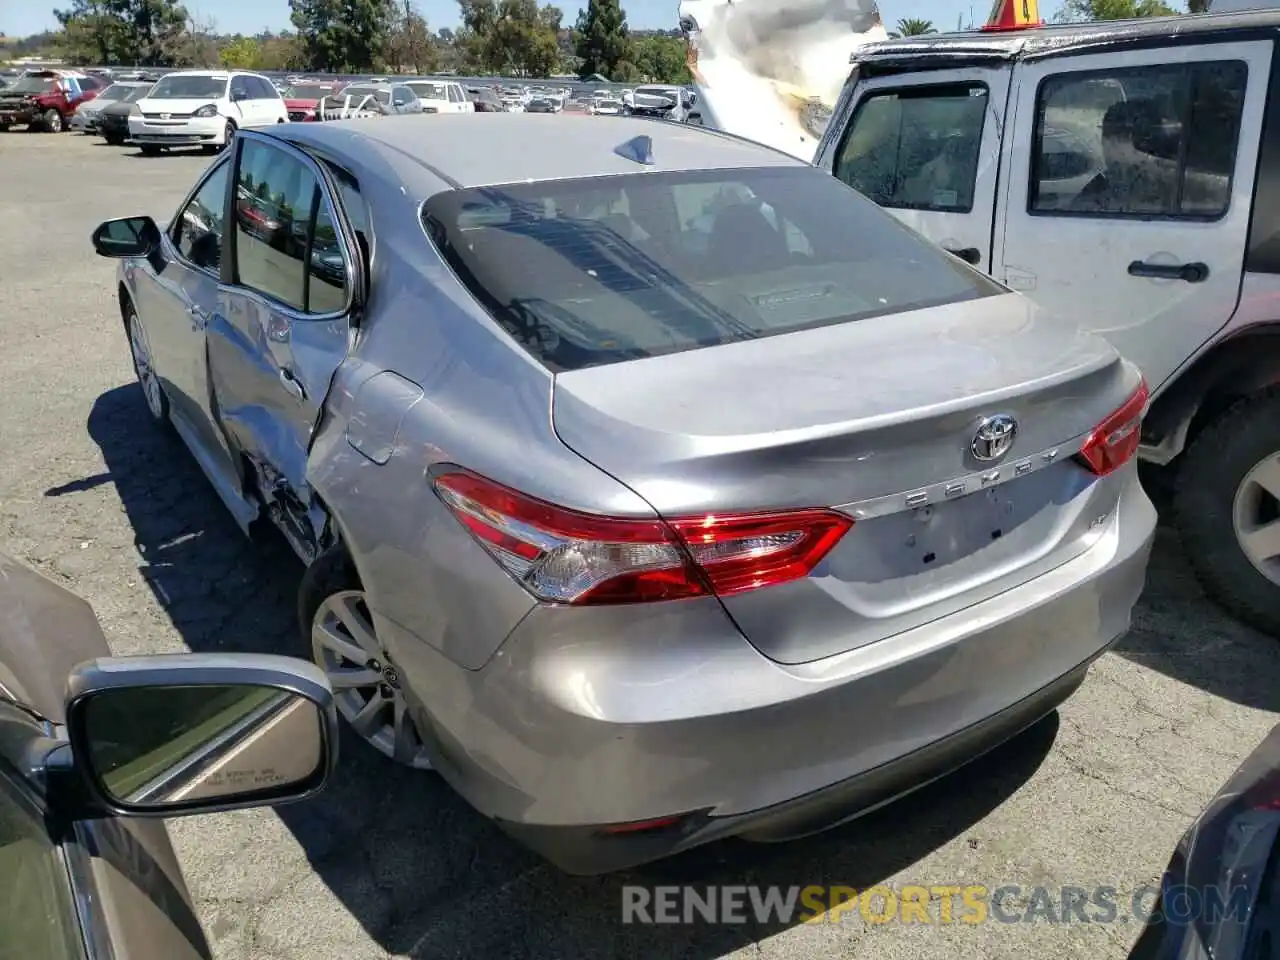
(46, 99)
(302, 99)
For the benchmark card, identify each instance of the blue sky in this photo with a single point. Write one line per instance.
(251, 16)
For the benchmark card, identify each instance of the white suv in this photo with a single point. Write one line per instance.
(441, 96)
(204, 108)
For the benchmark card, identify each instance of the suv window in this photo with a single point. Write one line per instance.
(603, 270)
(916, 148)
(283, 250)
(1156, 141)
(455, 94)
(262, 90)
(198, 231)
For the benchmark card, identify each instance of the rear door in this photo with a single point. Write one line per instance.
(1141, 168)
(927, 147)
(283, 324)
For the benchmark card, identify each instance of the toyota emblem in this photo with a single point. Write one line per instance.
(994, 437)
(164, 116)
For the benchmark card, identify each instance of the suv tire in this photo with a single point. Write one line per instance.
(1210, 480)
(149, 150)
(51, 120)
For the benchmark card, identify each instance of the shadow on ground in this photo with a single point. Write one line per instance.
(423, 873)
(1178, 632)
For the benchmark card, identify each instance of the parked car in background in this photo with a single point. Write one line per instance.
(95, 751)
(485, 100)
(204, 108)
(88, 112)
(540, 105)
(1173, 203)
(302, 100)
(45, 99)
(660, 102)
(388, 99)
(606, 107)
(441, 96)
(113, 120)
(928, 526)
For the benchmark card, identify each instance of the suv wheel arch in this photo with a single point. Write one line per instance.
(1237, 367)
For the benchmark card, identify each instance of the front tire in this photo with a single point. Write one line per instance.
(333, 614)
(149, 150)
(114, 141)
(1228, 510)
(152, 392)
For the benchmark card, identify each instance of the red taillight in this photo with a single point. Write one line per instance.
(563, 556)
(1115, 440)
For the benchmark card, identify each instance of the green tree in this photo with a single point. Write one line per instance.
(603, 40)
(409, 41)
(660, 59)
(241, 52)
(912, 27)
(1077, 10)
(141, 32)
(341, 36)
(508, 37)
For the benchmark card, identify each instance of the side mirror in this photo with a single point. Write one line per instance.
(126, 237)
(175, 734)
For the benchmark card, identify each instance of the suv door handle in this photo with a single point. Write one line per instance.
(292, 385)
(1189, 272)
(971, 255)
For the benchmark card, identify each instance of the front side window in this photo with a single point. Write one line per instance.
(603, 270)
(37, 915)
(189, 87)
(286, 239)
(1156, 141)
(199, 231)
(916, 148)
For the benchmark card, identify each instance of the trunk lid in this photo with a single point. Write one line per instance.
(877, 418)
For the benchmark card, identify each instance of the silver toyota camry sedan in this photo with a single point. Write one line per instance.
(653, 486)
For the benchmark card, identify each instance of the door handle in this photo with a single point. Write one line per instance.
(1189, 272)
(292, 385)
(971, 255)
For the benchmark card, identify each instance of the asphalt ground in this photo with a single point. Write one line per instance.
(390, 862)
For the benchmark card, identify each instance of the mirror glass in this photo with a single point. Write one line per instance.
(126, 237)
(169, 746)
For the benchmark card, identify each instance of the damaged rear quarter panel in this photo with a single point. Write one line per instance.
(485, 404)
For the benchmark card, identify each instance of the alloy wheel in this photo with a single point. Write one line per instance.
(1256, 517)
(147, 378)
(366, 684)
(53, 121)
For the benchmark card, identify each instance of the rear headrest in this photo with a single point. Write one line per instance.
(1135, 120)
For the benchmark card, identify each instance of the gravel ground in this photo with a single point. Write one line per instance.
(389, 862)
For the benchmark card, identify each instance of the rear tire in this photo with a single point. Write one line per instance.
(51, 120)
(1224, 495)
(329, 597)
(149, 150)
(114, 141)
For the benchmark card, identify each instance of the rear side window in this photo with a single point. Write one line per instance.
(602, 270)
(916, 148)
(1156, 141)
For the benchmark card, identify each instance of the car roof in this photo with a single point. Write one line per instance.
(462, 150)
(931, 50)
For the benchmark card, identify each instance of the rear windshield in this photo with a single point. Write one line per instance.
(607, 269)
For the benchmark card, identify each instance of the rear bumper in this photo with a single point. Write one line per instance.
(619, 715)
(86, 122)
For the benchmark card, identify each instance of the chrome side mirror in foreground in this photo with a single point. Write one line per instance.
(174, 734)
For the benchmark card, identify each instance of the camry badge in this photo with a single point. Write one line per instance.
(994, 437)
